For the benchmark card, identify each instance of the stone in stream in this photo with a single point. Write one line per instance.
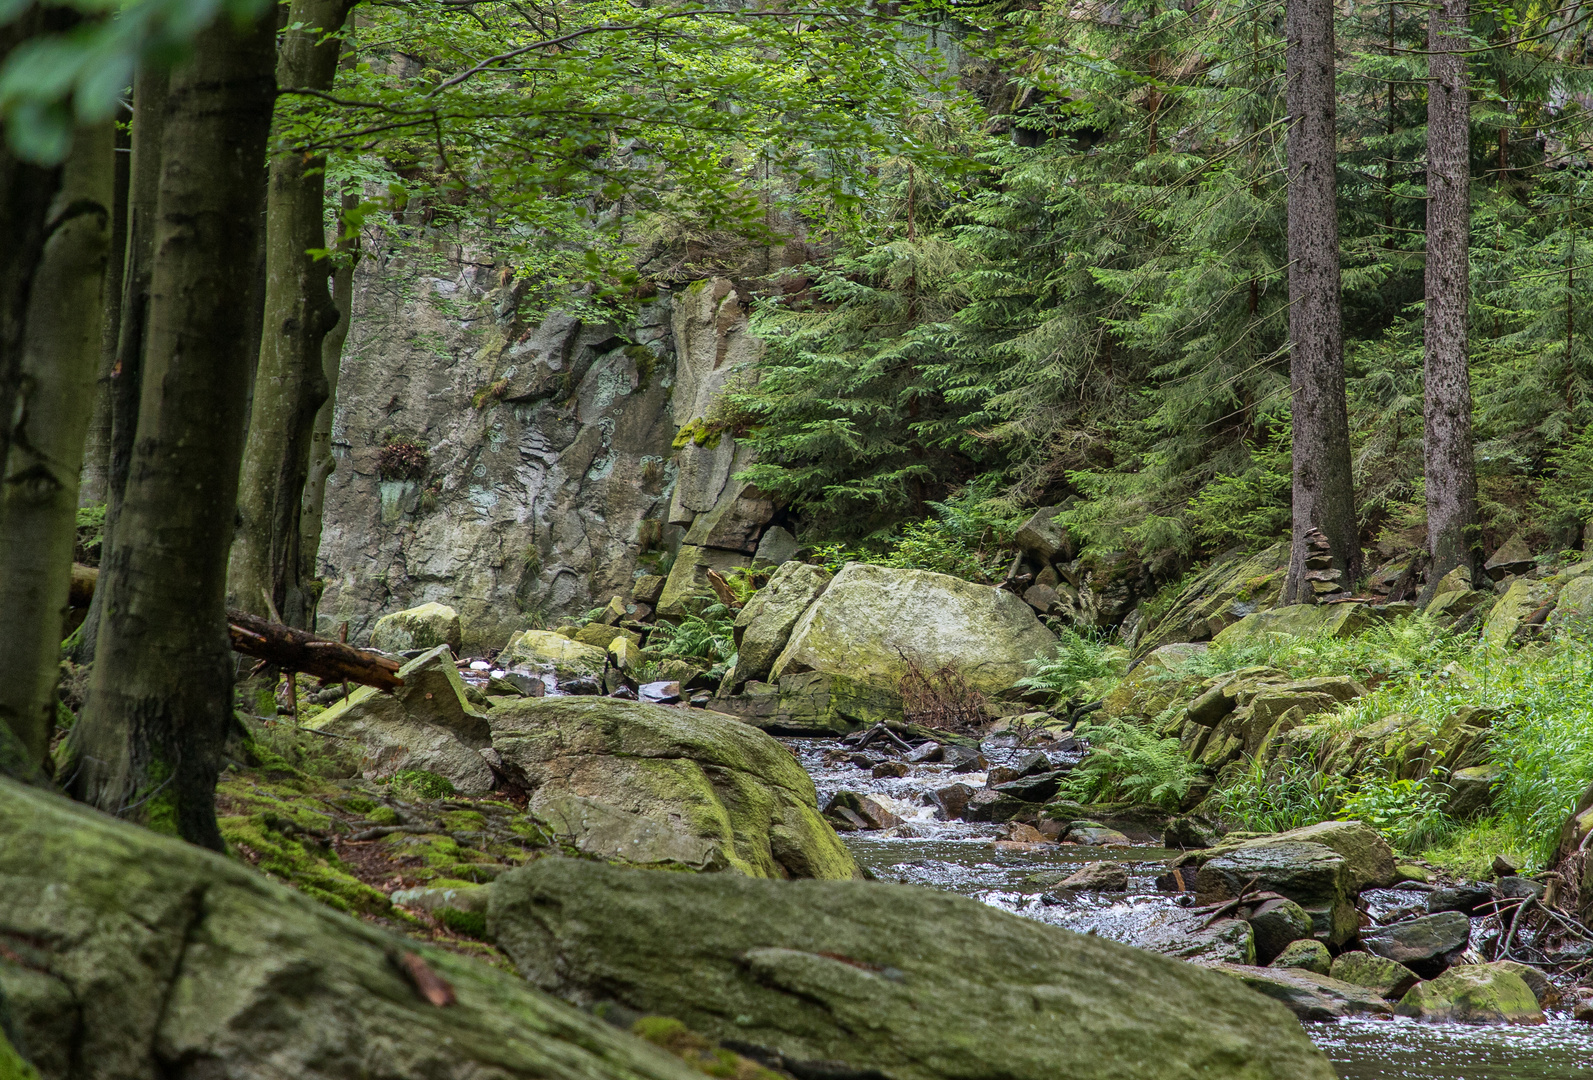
(953, 799)
(1187, 833)
(1426, 945)
(1385, 976)
(152, 953)
(1309, 996)
(989, 805)
(1277, 923)
(423, 627)
(1306, 954)
(961, 759)
(888, 769)
(1465, 897)
(1186, 935)
(1545, 991)
(704, 777)
(1094, 834)
(930, 751)
(1473, 994)
(1097, 877)
(1310, 874)
(545, 651)
(1035, 788)
(833, 979)
(848, 812)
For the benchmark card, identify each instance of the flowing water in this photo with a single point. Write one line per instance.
(960, 857)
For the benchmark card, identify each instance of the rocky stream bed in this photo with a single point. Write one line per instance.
(974, 860)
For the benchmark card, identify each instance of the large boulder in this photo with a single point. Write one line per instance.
(732, 796)
(424, 627)
(543, 652)
(1232, 587)
(1508, 618)
(131, 954)
(763, 626)
(1296, 620)
(688, 587)
(1388, 978)
(1426, 945)
(1369, 861)
(1473, 994)
(426, 724)
(869, 979)
(1312, 875)
(871, 617)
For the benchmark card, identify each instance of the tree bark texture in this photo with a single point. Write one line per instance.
(97, 443)
(1325, 551)
(148, 746)
(322, 461)
(38, 493)
(289, 385)
(126, 374)
(1452, 535)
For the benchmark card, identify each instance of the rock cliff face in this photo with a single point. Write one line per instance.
(514, 470)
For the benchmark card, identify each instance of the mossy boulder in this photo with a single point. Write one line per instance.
(1155, 683)
(870, 617)
(1387, 977)
(711, 781)
(763, 626)
(1310, 996)
(1296, 620)
(1473, 994)
(1305, 954)
(688, 587)
(544, 651)
(1508, 618)
(426, 724)
(1232, 587)
(131, 954)
(1311, 874)
(869, 979)
(423, 627)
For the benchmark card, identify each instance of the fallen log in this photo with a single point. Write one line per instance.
(300, 650)
(283, 646)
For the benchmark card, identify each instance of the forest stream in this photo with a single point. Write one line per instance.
(960, 857)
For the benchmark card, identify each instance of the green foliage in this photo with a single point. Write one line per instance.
(1566, 502)
(1247, 510)
(706, 635)
(1407, 647)
(90, 531)
(1286, 796)
(969, 537)
(1409, 813)
(1083, 667)
(1130, 763)
(420, 784)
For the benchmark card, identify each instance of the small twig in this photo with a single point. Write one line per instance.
(1516, 921)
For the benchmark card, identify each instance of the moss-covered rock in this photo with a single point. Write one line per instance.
(1305, 954)
(423, 627)
(1308, 995)
(1233, 587)
(162, 957)
(427, 724)
(1473, 994)
(1387, 977)
(1155, 684)
(1311, 874)
(884, 980)
(1296, 620)
(1510, 613)
(763, 626)
(871, 616)
(546, 652)
(710, 779)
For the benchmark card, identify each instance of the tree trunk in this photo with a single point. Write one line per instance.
(148, 746)
(1452, 535)
(38, 496)
(97, 444)
(289, 386)
(322, 461)
(1325, 553)
(126, 376)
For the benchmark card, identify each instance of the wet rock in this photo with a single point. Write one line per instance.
(1546, 993)
(1297, 620)
(698, 773)
(1369, 861)
(1473, 994)
(891, 769)
(427, 724)
(1034, 789)
(929, 751)
(1520, 888)
(1310, 996)
(1185, 935)
(1189, 833)
(1277, 924)
(1379, 974)
(869, 616)
(1305, 954)
(849, 811)
(763, 627)
(1096, 877)
(256, 979)
(1310, 874)
(1024, 834)
(1094, 834)
(963, 760)
(423, 627)
(1465, 897)
(836, 973)
(545, 651)
(1426, 945)
(988, 805)
(662, 692)
(953, 799)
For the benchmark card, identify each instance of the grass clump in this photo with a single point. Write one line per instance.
(420, 784)
(1287, 796)
(1412, 646)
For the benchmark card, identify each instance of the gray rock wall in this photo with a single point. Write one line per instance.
(548, 446)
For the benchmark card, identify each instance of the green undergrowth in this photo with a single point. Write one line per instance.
(1128, 762)
(1082, 668)
(1413, 645)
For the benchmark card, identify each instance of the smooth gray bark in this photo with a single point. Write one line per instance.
(148, 745)
(1325, 553)
(1451, 472)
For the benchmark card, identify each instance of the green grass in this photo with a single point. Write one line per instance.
(1289, 796)
(1403, 648)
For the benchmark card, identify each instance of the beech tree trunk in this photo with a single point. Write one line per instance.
(1325, 553)
(289, 386)
(148, 746)
(322, 462)
(126, 374)
(1452, 534)
(97, 443)
(38, 494)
